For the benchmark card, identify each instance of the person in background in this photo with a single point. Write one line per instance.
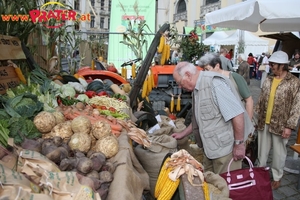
(295, 61)
(175, 59)
(243, 69)
(277, 114)
(216, 108)
(252, 64)
(265, 61)
(226, 63)
(229, 55)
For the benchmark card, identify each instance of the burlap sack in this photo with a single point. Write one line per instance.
(9, 177)
(14, 192)
(29, 161)
(152, 158)
(65, 186)
(130, 178)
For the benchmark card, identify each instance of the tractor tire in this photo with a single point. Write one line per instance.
(145, 120)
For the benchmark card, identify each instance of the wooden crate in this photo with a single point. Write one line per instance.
(8, 78)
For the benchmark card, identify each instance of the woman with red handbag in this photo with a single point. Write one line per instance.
(278, 111)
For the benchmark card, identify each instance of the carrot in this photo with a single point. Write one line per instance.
(71, 114)
(116, 133)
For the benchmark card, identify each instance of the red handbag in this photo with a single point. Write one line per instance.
(249, 183)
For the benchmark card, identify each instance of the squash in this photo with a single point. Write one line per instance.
(95, 86)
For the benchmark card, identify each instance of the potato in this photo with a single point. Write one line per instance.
(44, 121)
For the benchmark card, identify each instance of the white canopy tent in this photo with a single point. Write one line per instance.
(216, 36)
(253, 44)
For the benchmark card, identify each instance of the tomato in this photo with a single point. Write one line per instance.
(102, 107)
(102, 93)
(111, 109)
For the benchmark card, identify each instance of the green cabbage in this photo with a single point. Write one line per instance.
(67, 91)
(83, 98)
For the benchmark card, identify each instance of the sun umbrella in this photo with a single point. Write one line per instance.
(269, 15)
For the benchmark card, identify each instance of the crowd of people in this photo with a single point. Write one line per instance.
(223, 108)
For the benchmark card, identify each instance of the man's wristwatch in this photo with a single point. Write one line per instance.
(237, 142)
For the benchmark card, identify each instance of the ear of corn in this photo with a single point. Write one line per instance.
(165, 187)
(20, 75)
(178, 106)
(152, 78)
(172, 104)
(161, 44)
(123, 72)
(133, 72)
(167, 52)
(205, 191)
(149, 85)
(93, 64)
(144, 89)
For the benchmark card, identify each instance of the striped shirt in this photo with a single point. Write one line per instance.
(224, 98)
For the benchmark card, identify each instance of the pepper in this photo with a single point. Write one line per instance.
(90, 93)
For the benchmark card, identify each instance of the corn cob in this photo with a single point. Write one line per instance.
(93, 64)
(152, 78)
(144, 90)
(165, 187)
(205, 191)
(20, 75)
(178, 106)
(161, 44)
(167, 52)
(164, 53)
(149, 85)
(125, 73)
(172, 104)
(133, 72)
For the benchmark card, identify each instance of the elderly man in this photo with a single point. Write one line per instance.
(226, 63)
(219, 114)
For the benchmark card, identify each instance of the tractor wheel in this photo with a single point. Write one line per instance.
(145, 120)
(188, 118)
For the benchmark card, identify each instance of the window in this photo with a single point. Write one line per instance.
(76, 5)
(108, 23)
(92, 21)
(181, 7)
(109, 5)
(93, 2)
(101, 22)
(102, 4)
(211, 1)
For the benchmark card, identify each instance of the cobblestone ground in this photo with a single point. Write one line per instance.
(288, 189)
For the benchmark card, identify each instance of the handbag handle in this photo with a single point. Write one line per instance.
(250, 169)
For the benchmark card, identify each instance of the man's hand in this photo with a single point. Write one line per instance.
(178, 136)
(239, 151)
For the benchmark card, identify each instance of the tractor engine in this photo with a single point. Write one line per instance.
(165, 87)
